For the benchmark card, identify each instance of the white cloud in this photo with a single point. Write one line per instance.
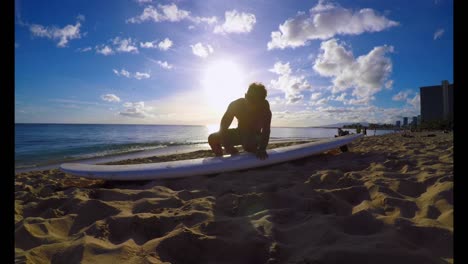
(315, 96)
(169, 13)
(148, 44)
(143, 1)
(415, 102)
(202, 51)
(163, 13)
(438, 34)
(120, 45)
(80, 17)
(340, 98)
(401, 96)
(122, 72)
(365, 75)
(162, 45)
(173, 13)
(104, 50)
(125, 45)
(137, 75)
(141, 75)
(325, 21)
(110, 98)
(165, 44)
(164, 64)
(291, 85)
(136, 110)
(85, 49)
(208, 20)
(63, 35)
(389, 84)
(236, 22)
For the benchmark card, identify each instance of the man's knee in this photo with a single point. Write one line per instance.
(214, 139)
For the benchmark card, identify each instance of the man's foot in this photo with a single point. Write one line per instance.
(232, 151)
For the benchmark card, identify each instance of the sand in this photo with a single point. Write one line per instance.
(388, 200)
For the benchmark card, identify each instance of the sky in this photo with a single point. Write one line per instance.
(182, 62)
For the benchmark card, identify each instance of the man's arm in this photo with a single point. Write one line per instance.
(227, 119)
(265, 135)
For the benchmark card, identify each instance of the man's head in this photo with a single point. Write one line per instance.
(256, 93)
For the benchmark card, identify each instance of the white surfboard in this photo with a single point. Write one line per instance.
(203, 166)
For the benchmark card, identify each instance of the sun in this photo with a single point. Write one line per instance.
(223, 81)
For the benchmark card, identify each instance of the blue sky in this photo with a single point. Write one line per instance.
(182, 62)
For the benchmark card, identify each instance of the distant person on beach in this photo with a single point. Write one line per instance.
(253, 129)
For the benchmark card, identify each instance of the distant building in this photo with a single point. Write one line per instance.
(415, 121)
(437, 102)
(398, 123)
(419, 119)
(405, 121)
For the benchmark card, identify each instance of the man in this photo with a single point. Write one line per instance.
(253, 129)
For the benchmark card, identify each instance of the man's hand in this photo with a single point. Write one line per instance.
(261, 154)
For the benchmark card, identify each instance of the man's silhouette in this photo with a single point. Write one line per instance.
(253, 129)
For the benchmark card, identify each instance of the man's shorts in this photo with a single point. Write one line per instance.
(234, 137)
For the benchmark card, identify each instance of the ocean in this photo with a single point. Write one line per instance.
(47, 145)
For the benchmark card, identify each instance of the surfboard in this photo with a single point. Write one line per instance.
(203, 166)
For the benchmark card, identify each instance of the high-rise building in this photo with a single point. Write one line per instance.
(437, 102)
(405, 121)
(398, 123)
(415, 121)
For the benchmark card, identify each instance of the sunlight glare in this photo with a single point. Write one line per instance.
(223, 81)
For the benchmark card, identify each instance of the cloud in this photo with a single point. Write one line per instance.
(169, 13)
(340, 98)
(143, 1)
(325, 21)
(291, 85)
(438, 34)
(389, 84)
(104, 50)
(120, 45)
(163, 13)
(141, 75)
(17, 45)
(122, 72)
(110, 98)
(401, 96)
(208, 20)
(164, 64)
(137, 75)
(365, 75)
(165, 44)
(148, 45)
(125, 45)
(315, 96)
(236, 22)
(415, 102)
(80, 17)
(202, 51)
(63, 35)
(136, 110)
(85, 49)
(162, 45)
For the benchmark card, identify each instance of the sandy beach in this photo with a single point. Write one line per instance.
(389, 199)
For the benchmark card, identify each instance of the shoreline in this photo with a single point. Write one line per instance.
(148, 154)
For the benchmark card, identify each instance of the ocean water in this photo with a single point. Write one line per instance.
(38, 145)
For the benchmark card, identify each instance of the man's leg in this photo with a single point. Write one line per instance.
(249, 142)
(215, 143)
(231, 139)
